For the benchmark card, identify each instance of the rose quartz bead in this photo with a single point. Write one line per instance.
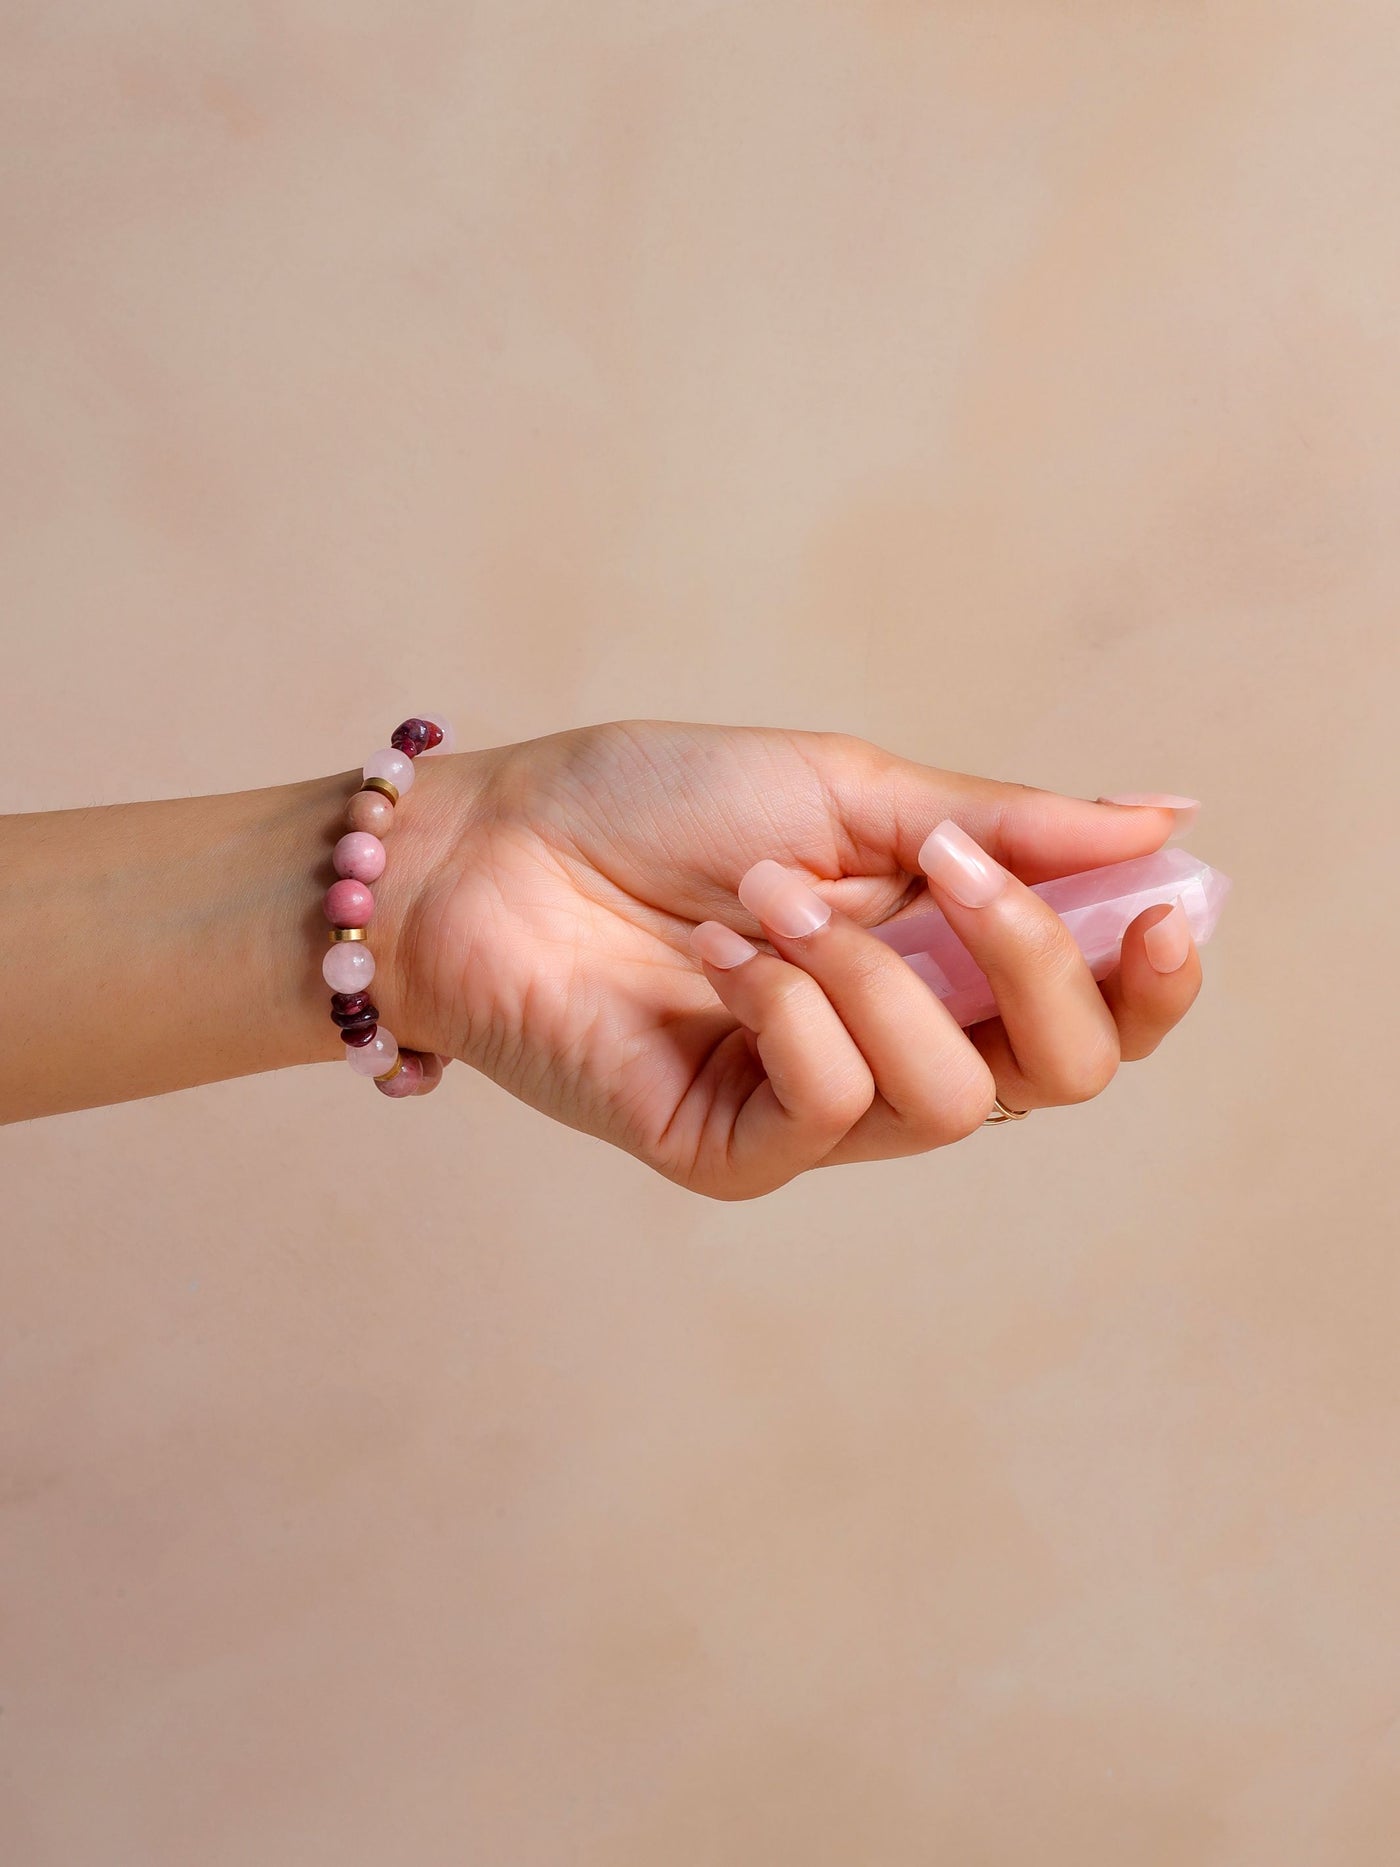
(373, 1058)
(397, 767)
(409, 1080)
(348, 903)
(368, 810)
(449, 738)
(348, 966)
(359, 855)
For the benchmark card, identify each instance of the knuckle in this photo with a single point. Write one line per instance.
(955, 1112)
(1089, 1075)
(1049, 947)
(845, 1096)
(969, 1108)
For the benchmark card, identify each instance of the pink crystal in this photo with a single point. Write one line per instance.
(1096, 905)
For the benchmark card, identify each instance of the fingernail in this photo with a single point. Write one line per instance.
(949, 857)
(720, 945)
(1159, 800)
(775, 896)
(1169, 940)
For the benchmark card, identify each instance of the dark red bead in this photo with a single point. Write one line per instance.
(434, 737)
(412, 737)
(356, 1021)
(358, 1034)
(348, 1002)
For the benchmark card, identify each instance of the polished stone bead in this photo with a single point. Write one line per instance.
(397, 767)
(359, 856)
(348, 1004)
(348, 966)
(373, 1058)
(414, 737)
(443, 739)
(364, 1013)
(361, 1020)
(358, 1033)
(370, 810)
(348, 903)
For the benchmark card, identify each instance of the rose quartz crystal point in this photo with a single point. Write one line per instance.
(1096, 906)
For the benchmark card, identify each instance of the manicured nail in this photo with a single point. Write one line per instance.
(1168, 941)
(949, 857)
(720, 945)
(781, 900)
(1159, 800)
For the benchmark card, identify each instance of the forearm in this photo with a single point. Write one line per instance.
(155, 946)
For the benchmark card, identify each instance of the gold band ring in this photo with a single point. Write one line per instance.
(1000, 1113)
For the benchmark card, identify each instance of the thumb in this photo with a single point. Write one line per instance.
(886, 805)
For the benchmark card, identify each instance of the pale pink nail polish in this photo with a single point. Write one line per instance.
(1158, 800)
(1169, 941)
(949, 857)
(782, 900)
(720, 945)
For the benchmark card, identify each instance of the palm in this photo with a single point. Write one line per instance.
(559, 955)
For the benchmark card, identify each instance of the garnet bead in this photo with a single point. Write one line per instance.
(413, 737)
(368, 1016)
(434, 737)
(358, 1034)
(348, 1001)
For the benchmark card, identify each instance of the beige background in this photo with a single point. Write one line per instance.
(1013, 384)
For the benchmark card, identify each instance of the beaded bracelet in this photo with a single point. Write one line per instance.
(358, 859)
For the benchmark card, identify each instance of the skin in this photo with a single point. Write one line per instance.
(534, 920)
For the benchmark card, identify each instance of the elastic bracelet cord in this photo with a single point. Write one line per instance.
(358, 859)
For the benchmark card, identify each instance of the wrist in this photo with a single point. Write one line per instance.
(423, 853)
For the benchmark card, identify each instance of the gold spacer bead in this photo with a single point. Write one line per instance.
(384, 788)
(389, 1075)
(348, 933)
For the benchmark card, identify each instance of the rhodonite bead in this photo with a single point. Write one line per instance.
(370, 810)
(348, 1004)
(348, 966)
(374, 1058)
(348, 903)
(397, 767)
(408, 1079)
(442, 738)
(358, 1034)
(359, 856)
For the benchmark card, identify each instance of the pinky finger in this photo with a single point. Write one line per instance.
(1155, 982)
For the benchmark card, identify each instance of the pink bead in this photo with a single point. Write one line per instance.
(359, 855)
(348, 966)
(373, 1058)
(449, 738)
(409, 1080)
(397, 767)
(348, 904)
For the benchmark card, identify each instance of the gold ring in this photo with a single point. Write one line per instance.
(1000, 1113)
(384, 788)
(348, 933)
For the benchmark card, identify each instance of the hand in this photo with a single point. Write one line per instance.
(547, 942)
